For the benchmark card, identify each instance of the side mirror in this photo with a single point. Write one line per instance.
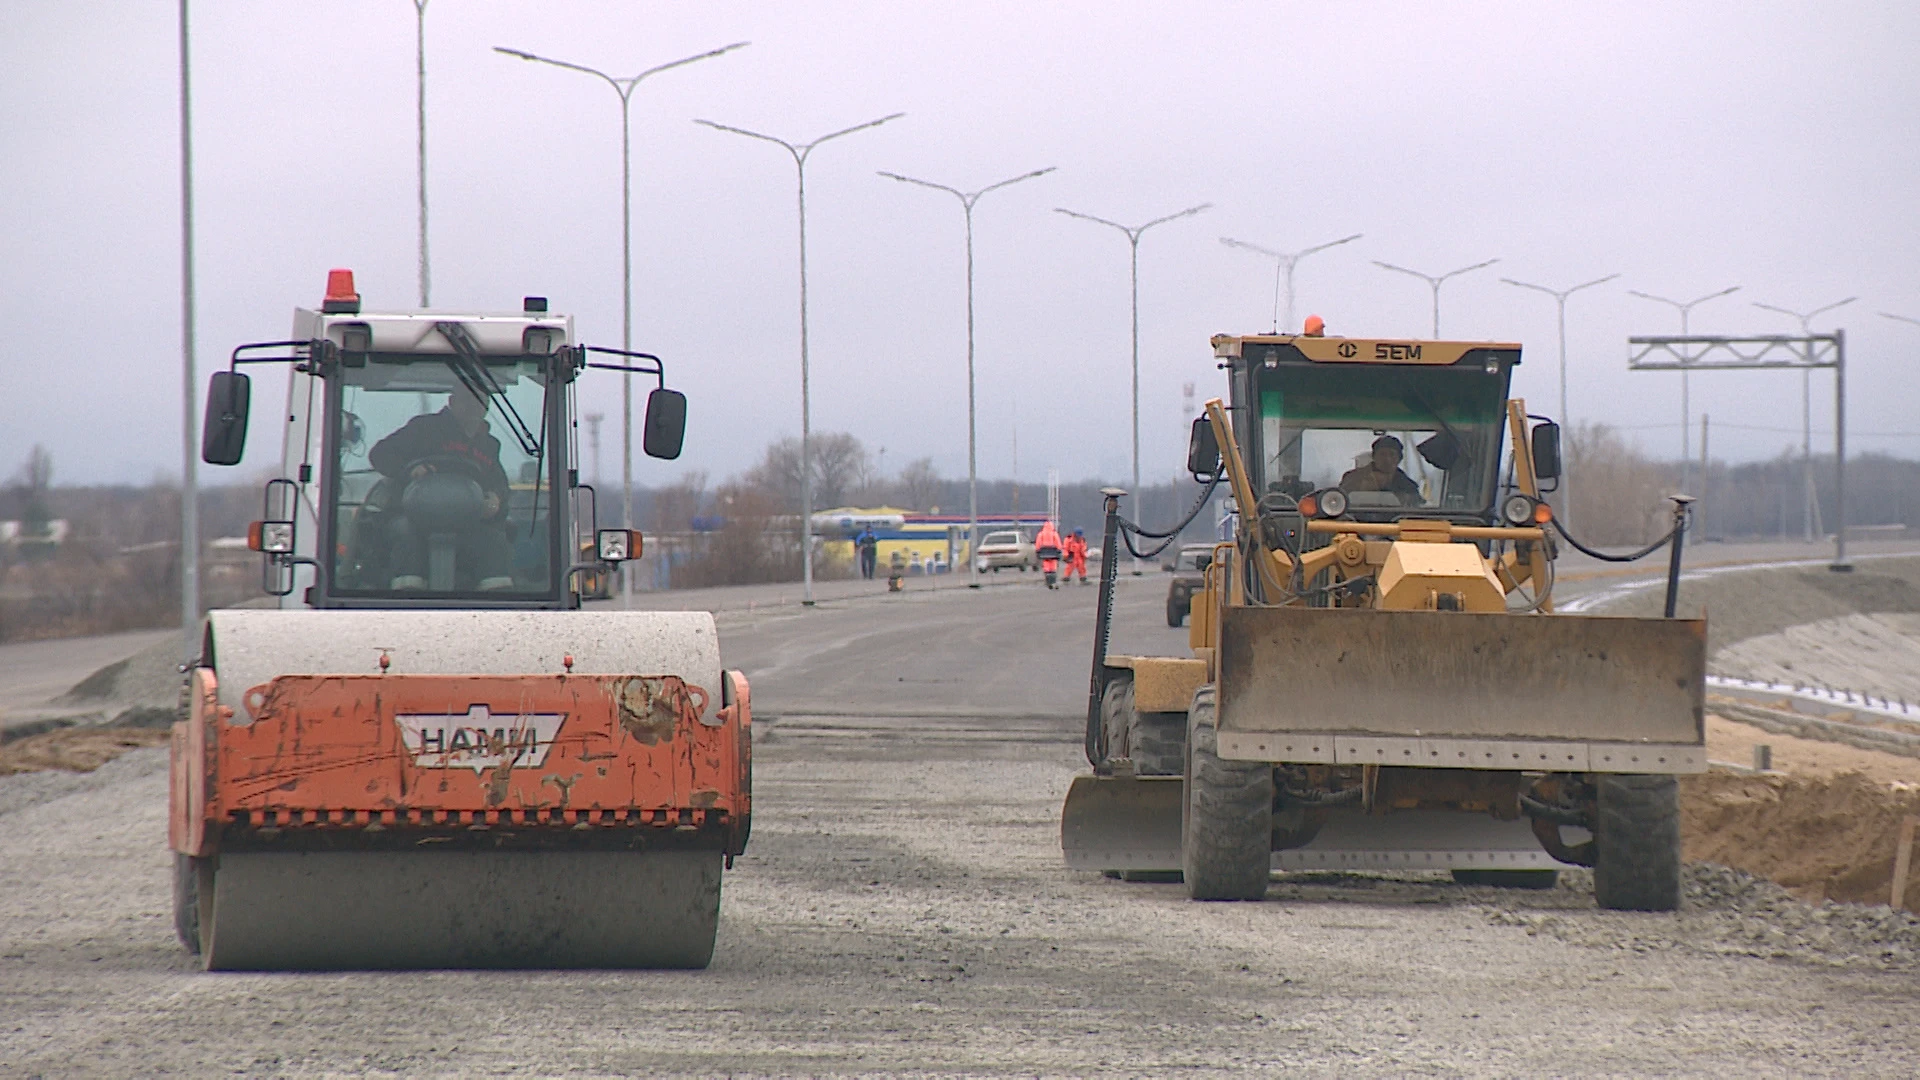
(223, 435)
(1546, 450)
(666, 424)
(1203, 450)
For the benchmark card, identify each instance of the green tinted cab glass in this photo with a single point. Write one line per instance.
(1319, 424)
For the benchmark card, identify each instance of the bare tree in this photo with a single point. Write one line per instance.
(675, 505)
(31, 485)
(840, 466)
(919, 484)
(1619, 495)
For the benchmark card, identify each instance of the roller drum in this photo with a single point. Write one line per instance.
(365, 910)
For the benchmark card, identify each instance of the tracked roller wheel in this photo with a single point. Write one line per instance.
(362, 910)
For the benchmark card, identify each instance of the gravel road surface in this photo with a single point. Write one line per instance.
(903, 910)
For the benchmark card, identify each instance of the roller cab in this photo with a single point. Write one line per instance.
(429, 755)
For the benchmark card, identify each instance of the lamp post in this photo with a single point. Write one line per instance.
(1133, 234)
(624, 88)
(800, 152)
(1810, 507)
(967, 199)
(1284, 262)
(189, 435)
(1686, 410)
(1436, 282)
(420, 112)
(1566, 417)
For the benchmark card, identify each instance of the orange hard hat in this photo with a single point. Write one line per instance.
(1316, 326)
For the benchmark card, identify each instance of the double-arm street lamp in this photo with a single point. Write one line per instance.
(1436, 282)
(1686, 408)
(1810, 509)
(624, 88)
(967, 199)
(1284, 262)
(1133, 241)
(800, 152)
(1566, 418)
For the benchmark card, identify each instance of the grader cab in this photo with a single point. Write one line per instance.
(1378, 679)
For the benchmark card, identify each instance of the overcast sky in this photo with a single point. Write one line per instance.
(1688, 147)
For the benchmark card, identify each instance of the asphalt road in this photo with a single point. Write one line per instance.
(902, 910)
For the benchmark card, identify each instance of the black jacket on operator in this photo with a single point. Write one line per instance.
(438, 434)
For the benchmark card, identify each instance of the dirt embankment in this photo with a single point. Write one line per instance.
(75, 749)
(1822, 837)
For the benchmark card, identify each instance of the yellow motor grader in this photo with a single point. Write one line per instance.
(1378, 680)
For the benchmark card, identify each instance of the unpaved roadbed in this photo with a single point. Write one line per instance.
(903, 911)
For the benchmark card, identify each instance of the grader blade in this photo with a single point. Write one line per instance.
(1122, 823)
(1462, 690)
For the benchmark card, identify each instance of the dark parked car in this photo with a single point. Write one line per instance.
(1189, 575)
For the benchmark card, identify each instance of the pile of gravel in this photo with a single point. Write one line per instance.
(1725, 912)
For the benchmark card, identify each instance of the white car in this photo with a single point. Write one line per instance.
(1001, 550)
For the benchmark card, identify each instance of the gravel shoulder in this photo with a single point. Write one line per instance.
(903, 911)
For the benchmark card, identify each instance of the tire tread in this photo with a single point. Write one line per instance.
(1637, 843)
(1227, 841)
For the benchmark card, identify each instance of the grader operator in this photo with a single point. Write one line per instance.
(427, 755)
(1378, 679)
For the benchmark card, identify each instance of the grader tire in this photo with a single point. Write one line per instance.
(1158, 741)
(1636, 843)
(1227, 829)
(1155, 742)
(1116, 706)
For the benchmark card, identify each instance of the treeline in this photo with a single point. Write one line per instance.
(118, 566)
(1620, 494)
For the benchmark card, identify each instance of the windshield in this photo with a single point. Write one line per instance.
(1393, 437)
(1002, 538)
(441, 480)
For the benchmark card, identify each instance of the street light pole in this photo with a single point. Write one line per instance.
(1133, 241)
(1686, 408)
(1566, 417)
(1284, 262)
(1810, 503)
(1436, 282)
(800, 152)
(189, 456)
(624, 88)
(420, 111)
(967, 199)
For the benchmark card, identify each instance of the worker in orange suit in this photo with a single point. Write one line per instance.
(1047, 547)
(1073, 553)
